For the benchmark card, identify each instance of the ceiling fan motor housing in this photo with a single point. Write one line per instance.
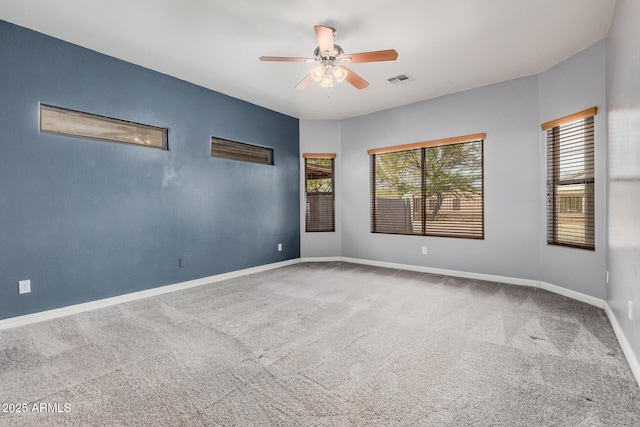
(335, 58)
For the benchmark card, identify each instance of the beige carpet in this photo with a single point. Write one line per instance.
(324, 344)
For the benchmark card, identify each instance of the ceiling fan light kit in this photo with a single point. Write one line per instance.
(326, 73)
(330, 56)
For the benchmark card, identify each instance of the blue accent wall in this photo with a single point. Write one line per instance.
(85, 220)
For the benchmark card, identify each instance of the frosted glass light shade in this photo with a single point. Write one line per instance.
(327, 81)
(339, 73)
(317, 73)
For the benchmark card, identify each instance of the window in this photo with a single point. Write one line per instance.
(319, 187)
(240, 151)
(570, 180)
(62, 121)
(432, 188)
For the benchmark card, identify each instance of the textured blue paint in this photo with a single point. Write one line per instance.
(86, 219)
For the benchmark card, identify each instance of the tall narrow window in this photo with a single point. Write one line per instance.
(319, 189)
(571, 180)
(432, 188)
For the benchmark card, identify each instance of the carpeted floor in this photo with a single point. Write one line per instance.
(326, 344)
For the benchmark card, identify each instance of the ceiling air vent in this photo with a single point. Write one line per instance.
(400, 79)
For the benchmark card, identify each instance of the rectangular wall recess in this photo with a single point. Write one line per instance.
(62, 121)
(241, 151)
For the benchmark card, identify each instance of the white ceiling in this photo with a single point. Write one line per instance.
(445, 45)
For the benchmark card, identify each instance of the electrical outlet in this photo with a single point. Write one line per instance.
(607, 278)
(279, 247)
(24, 286)
(632, 314)
(424, 250)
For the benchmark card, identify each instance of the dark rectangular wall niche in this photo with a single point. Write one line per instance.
(62, 121)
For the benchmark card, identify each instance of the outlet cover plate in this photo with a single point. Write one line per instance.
(24, 286)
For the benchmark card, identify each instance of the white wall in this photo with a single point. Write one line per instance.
(623, 99)
(510, 113)
(574, 85)
(321, 136)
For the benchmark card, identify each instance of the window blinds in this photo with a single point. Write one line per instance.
(429, 190)
(319, 192)
(240, 151)
(570, 183)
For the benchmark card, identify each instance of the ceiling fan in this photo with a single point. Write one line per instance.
(332, 59)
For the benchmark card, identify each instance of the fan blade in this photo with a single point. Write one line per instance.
(325, 39)
(375, 56)
(305, 82)
(355, 79)
(285, 59)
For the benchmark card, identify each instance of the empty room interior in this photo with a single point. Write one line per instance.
(320, 213)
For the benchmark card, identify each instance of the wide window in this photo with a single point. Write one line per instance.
(319, 190)
(241, 151)
(432, 188)
(62, 121)
(570, 180)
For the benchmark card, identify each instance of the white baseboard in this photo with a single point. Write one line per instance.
(322, 259)
(106, 302)
(598, 302)
(634, 364)
(488, 277)
(445, 272)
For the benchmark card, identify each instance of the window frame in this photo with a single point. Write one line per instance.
(473, 232)
(319, 226)
(555, 138)
(79, 124)
(241, 151)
